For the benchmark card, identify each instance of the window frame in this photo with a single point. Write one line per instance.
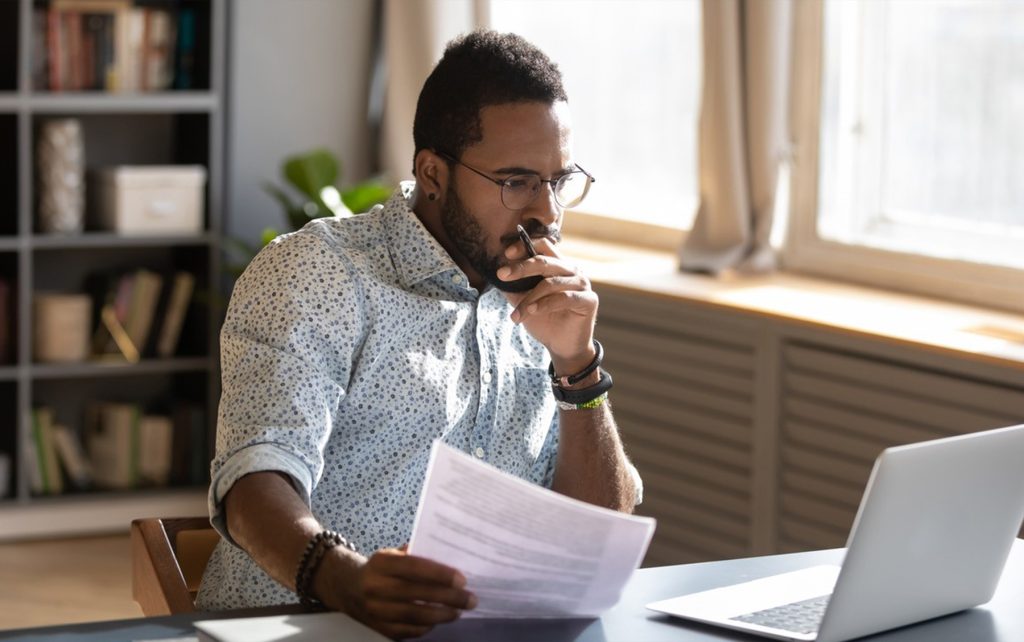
(807, 252)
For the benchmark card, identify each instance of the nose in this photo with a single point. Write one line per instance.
(545, 208)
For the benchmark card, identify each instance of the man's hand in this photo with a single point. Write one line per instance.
(398, 594)
(560, 312)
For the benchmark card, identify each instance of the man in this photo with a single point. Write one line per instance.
(350, 346)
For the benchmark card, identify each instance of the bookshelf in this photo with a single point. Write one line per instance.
(138, 127)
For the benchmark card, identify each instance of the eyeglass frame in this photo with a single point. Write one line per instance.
(503, 182)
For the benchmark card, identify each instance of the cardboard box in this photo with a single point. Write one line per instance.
(150, 199)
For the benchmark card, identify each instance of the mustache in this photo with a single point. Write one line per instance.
(535, 230)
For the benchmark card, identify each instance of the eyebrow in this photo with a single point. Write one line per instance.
(526, 170)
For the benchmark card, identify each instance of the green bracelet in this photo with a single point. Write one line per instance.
(586, 405)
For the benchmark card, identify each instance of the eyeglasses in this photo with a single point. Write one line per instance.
(517, 192)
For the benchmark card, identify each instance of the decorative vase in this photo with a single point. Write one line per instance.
(61, 155)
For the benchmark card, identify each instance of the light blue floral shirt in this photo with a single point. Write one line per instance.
(348, 348)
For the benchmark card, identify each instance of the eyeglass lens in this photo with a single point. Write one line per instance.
(519, 191)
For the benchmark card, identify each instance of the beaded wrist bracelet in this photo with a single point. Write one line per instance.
(317, 547)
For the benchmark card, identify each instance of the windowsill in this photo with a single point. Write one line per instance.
(966, 331)
(622, 232)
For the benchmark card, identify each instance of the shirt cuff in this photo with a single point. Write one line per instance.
(253, 459)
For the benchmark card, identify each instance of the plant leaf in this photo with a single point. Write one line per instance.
(279, 195)
(312, 171)
(298, 217)
(269, 234)
(360, 198)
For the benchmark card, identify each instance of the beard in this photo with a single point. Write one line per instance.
(468, 237)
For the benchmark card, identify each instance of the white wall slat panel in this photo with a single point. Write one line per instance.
(684, 395)
(941, 412)
(713, 474)
(840, 410)
(683, 400)
(913, 381)
(644, 410)
(757, 435)
(857, 423)
(683, 485)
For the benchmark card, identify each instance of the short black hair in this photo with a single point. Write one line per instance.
(480, 69)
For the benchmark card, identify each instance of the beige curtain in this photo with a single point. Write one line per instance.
(415, 33)
(743, 135)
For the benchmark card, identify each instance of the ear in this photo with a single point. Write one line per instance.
(431, 172)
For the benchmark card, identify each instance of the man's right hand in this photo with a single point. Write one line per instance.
(398, 594)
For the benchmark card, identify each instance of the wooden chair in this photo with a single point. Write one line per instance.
(168, 559)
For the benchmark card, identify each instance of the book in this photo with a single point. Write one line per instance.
(30, 459)
(72, 29)
(127, 305)
(89, 45)
(40, 62)
(158, 50)
(112, 441)
(54, 51)
(145, 294)
(184, 73)
(72, 457)
(156, 433)
(46, 451)
(178, 299)
(111, 294)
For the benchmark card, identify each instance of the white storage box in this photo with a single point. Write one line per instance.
(150, 199)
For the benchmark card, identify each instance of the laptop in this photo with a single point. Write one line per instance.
(931, 537)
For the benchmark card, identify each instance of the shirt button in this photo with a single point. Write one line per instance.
(487, 377)
(479, 452)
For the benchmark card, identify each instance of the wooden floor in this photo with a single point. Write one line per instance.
(65, 581)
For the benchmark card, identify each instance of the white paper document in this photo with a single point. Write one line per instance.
(301, 627)
(526, 551)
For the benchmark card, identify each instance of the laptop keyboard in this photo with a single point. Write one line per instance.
(798, 617)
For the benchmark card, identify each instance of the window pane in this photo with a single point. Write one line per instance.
(922, 143)
(632, 72)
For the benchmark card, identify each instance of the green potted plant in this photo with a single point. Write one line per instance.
(314, 176)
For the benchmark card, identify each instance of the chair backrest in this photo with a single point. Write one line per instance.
(168, 559)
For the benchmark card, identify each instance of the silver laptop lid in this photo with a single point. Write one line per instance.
(932, 534)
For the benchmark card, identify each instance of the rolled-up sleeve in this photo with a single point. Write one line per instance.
(285, 365)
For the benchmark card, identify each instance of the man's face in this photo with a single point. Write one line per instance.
(518, 138)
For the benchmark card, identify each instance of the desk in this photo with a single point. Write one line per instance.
(1000, 620)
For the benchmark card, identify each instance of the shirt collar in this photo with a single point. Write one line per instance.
(415, 252)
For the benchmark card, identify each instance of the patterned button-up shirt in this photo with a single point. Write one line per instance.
(348, 348)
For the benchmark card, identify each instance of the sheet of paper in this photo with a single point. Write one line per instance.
(526, 551)
(303, 627)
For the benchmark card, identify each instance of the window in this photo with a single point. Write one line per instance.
(920, 152)
(632, 71)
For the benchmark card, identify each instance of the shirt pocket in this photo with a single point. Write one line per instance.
(534, 411)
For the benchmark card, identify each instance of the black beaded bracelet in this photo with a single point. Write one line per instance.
(569, 380)
(317, 547)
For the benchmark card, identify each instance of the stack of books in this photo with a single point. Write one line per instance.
(112, 45)
(120, 448)
(141, 312)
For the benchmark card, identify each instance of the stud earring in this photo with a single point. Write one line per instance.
(432, 196)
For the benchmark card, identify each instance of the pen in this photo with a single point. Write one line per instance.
(530, 250)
